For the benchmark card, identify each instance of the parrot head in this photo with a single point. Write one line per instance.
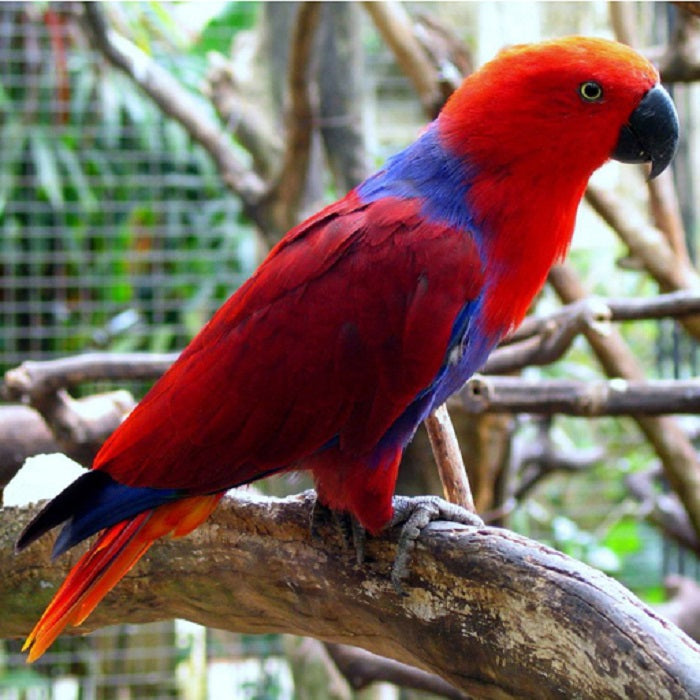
(529, 128)
(564, 106)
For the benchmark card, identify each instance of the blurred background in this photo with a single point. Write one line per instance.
(120, 232)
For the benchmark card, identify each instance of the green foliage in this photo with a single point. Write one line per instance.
(106, 206)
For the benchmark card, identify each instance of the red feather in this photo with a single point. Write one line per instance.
(238, 405)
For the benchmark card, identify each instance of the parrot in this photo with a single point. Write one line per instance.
(368, 315)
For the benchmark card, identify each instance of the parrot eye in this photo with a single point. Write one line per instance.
(590, 91)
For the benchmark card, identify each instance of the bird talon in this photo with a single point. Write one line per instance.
(352, 534)
(414, 515)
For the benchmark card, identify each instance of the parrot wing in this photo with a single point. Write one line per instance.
(347, 321)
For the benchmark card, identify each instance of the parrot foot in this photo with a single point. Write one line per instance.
(352, 534)
(414, 514)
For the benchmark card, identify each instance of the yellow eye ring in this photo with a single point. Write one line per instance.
(590, 91)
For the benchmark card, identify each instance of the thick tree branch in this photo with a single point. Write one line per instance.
(493, 613)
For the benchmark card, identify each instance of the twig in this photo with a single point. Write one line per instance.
(448, 458)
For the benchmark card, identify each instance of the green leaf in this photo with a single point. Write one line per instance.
(623, 537)
(13, 136)
(234, 16)
(47, 171)
(77, 177)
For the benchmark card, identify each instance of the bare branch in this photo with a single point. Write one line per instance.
(362, 668)
(677, 454)
(615, 397)
(284, 196)
(663, 508)
(245, 120)
(649, 245)
(544, 340)
(34, 378)
(493, 613)
(448, 458)
(394, 24)
(176, 102)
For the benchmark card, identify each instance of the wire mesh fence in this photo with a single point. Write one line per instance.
(117, 233)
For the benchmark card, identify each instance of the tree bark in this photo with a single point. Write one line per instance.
(493, 613)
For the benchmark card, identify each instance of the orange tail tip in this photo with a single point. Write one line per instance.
(114, 553)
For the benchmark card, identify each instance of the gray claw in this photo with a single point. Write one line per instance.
(414, 514)
(352, 534)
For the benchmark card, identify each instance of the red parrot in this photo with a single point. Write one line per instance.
(368, 315)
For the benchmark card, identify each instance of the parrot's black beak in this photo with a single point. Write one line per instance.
(651, 133)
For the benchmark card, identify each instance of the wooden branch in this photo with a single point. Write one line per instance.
(493, 613)
(615, 397)
(544, 340)
(683, 606)
(342, 85)
(284, 195)
(59, 423)
(245, 120)
(649, 245)
(448, 458)
(34, 378)
(395, 25)
(680, 61)
(174, 100)
(23, 433)
(662, 508)
(677, 454)
(362, 668)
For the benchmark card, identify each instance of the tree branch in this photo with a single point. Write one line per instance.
(176, 102)
(677, 454)
(362, 668)
(494, 614)
(448, 456)
(649, 245)
(395, 25)
(615, 397)
(36, 378)
(285, 194)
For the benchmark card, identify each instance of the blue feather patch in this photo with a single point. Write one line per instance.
(427, 171)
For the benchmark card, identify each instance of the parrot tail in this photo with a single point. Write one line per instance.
(114, 553)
